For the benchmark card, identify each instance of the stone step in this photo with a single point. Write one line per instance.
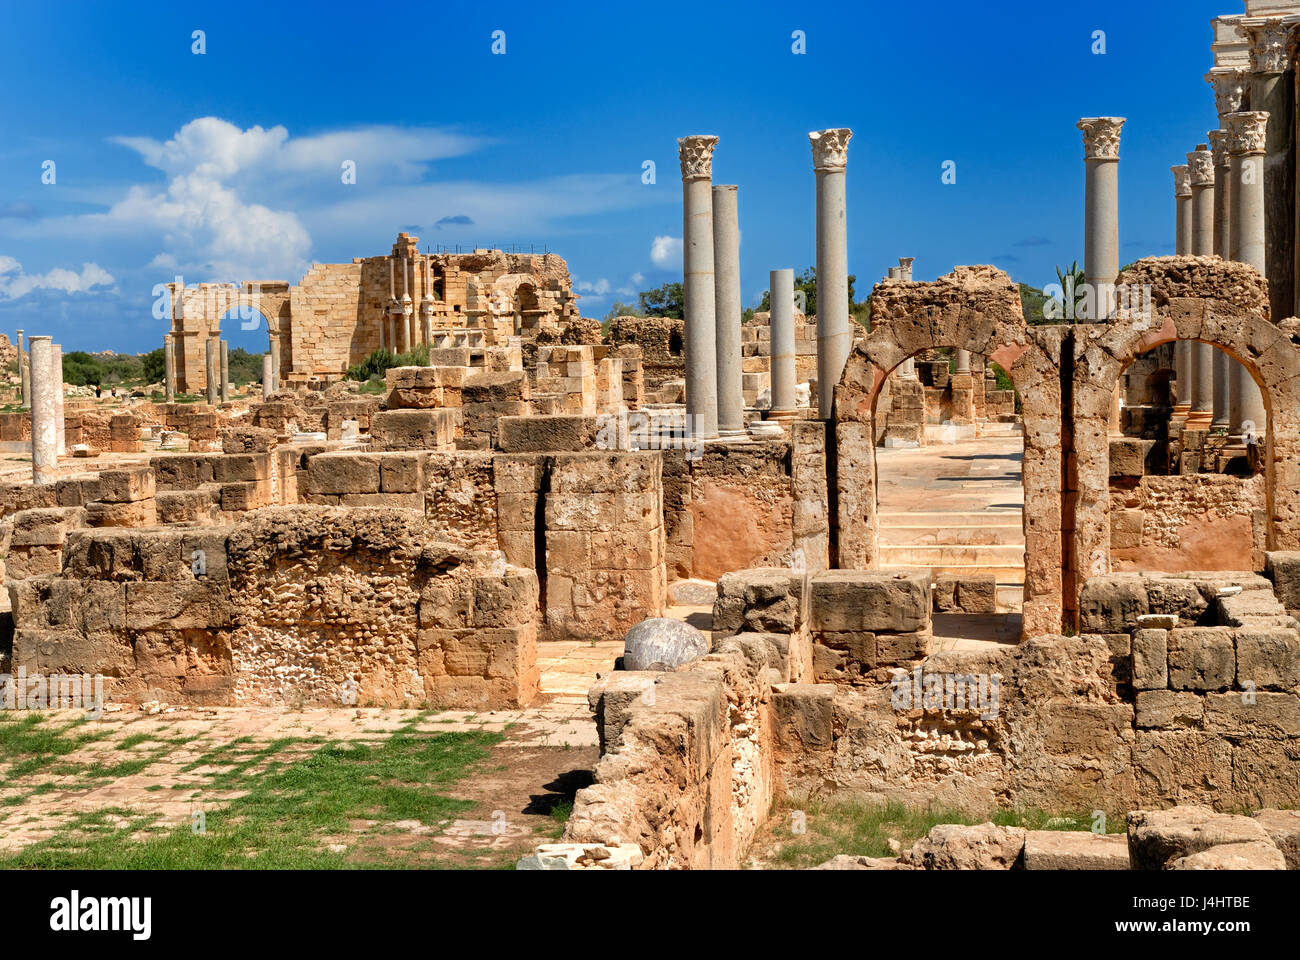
(953, 518)
(933, 535)
(1009, 576)
(948, 554)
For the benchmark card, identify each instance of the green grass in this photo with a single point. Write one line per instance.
(863, 829)
(298, 798)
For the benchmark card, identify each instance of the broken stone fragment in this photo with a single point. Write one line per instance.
(662, 644)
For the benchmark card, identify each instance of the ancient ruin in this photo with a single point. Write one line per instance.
(950, 557)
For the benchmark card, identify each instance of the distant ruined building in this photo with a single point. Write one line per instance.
(339, 313)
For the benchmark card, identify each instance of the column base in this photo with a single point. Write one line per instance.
(732, 434)
(1220, 424)
(1199, 418)
(781, 416)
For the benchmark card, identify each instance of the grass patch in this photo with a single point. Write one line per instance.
(298, 797)
(862, 828)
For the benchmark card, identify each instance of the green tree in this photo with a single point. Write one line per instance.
(621, 309)
(154, 366)
(666, 301)
(81, 369)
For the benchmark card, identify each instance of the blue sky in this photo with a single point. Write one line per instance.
(226, 165)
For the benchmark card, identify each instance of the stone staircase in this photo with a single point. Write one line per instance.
(959, 544)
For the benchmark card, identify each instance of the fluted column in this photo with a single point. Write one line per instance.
(1223, 363)
(1200, 166)
(1183, 247)
(1269, 92)
(830, 149)
(1101, 213)
(726, 267)
(698, 294)
(169, 368)
(45, 432)
(60, 421)
(24, 373)
(781, 302)
(1247, 133)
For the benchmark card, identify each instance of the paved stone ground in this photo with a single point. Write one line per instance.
(547, 747)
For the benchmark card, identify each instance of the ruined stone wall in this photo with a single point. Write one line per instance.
(1181, 689)
(662, 343)
(295, 604)
(1195, 522)
(687, 770)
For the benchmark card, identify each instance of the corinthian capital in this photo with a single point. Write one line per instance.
(1101, 137)
(1268, 38)
(697, 157)
(830, 148)
(1182, 181)
(1246, 132)
(1200, 165)
(1230, 86)
(1219, 147)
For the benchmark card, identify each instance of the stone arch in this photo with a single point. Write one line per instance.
(976, 309)
(1234, 320)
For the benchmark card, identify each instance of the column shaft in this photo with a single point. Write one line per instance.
(1246, 136)
(834, 336)
(24, 374)
(45, 432)
(169, 369)
(275, 364)
(210, 369)
(267, 377)
(781, 299)
(60, 421)
(225, 372)
(698, 291)
(1201, 165)
(726, 266)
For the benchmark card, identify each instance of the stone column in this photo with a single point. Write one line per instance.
(1270, 93)
(830, 149)
(1223, 363)
(1247, 133)
(1101, 211)
(210, 368)
(275, 364)
(781, 301)
(169, 368)
(45, 431)
(225, 372)
(905, 268)
(698, 294)
(1200, 165)
(726, 285)
(1183, 247)
(963, 361)
(24, 373)
(407, 318)
(56, 375)
(268, 377)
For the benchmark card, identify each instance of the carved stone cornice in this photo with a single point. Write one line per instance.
(1182, 181)
(697, 156)
(1200, 165)
(1269, 43)
(830, 148)
(1230, 88)
(1101, 137)
(1219, 147)
(1246, 132)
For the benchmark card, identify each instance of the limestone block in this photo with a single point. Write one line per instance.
(1236, 714)
(548, 433)
(1202, 658)
(897, 649)
(1254, 855)
(1169, 709)
(1150, 652)
(1074, 850)
(845, 600)
(958, 847)
(1283, 828)
(187, 506)
(177, 605)
(1112, 604)
(141, 513)
(803, 714)
(1157, 837)
(126, 486)
(1129, 457)
(758, 601)
(401, 473)
(414, 429)
(241, 468)
(340, 473)
(1268, 658)
(1283, 568)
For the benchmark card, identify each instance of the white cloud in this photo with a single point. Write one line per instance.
(637, 279)
(599, 288)
(14, 283)
(666, 251)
